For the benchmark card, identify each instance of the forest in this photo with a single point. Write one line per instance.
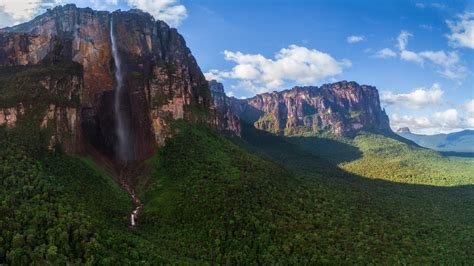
(215, 199)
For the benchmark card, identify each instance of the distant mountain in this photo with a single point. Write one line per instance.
(342, 108)
(462, 141)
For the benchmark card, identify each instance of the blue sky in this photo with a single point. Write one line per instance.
(419, 54)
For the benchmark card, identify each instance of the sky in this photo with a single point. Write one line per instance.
(419, 54)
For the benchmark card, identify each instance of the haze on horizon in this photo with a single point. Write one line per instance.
(419, 54)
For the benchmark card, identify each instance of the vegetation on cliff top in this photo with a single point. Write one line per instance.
(28, 84)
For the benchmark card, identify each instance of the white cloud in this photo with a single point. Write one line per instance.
(20, 9)
(447, 63)
(469, 107)
(413, 122)
(445, 121)
(213, 74)
(295, 63)
(432, 5)
(441, 58)
(403, 39)
(456, 72)
(470, 122)
(416, 99)
(169, 11)
(462, 31)
(13, 12)
(355, 38)
(249, 86)
(385, 53)
(411, 56)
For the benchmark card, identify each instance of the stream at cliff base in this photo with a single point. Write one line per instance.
(137, 205)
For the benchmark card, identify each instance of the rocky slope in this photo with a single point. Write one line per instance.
(162, 79)
(341, 108)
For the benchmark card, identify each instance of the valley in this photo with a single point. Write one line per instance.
(116, 150)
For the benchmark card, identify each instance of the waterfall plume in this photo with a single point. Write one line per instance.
(123, 149)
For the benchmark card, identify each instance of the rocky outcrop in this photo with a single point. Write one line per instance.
(162, 79)
(403, 130)
(225, 118)
(341, 108)
(46, 94)
(9, 116)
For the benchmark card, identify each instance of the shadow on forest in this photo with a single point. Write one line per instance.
(318, 168)
(457, 154)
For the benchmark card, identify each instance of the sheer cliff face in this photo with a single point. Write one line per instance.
(341, 108)
(162, 78)
(225, 117)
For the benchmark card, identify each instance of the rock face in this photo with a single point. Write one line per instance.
(342, 108)
(403, 130)
(162, 79)
(226, 118)
(46, 94)
(9, 116)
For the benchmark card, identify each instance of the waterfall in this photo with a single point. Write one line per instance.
(123, 150)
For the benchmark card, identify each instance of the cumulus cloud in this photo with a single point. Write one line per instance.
(295, 63)
(385, 53)
(13, 12)
(419, 98)
(20, 9)
(169, 11)
(447, 64)
(462, 31)
(445, 121)
(413, 122)
(411, 56)
(355, 38)
(468, 107)
(212, 74)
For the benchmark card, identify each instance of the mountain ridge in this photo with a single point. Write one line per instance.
(461, 141)
(341, 108)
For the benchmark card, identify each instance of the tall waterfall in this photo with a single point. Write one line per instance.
(123, 149)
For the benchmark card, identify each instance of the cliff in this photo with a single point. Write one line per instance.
(341, 108)
(45, 94)
(225, 117)
(161, 77)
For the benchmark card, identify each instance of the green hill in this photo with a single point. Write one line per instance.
(256, 199)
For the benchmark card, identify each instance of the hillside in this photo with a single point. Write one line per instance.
(233, 205)
(114, 149)
(458, 142)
